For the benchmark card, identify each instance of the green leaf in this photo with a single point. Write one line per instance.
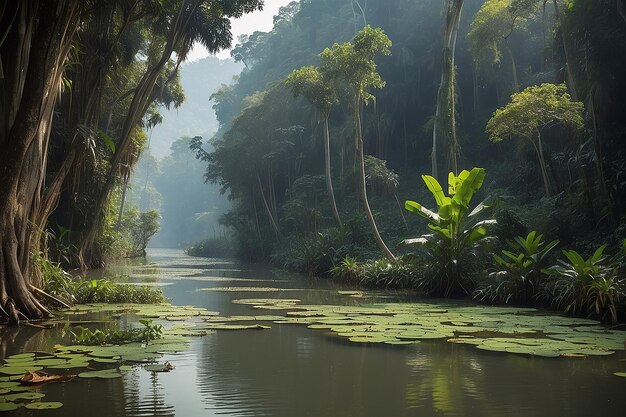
(598, 254)
(435, 188)
(420, 210)
(108, 141)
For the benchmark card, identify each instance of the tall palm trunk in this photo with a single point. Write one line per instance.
(362, 185)
(329, 179)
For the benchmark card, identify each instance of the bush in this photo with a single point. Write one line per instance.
(519, 275)
(589, 287)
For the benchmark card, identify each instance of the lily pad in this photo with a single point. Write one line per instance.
(10, 370)
(24, 396)
(8, 406)
(104, 374)
(22, 355)
(44, 405)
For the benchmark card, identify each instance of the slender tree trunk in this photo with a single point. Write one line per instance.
(361, 185)
(513, 66)
(268, 209)
(445, 118)
(120, 214)
(542, 164)
(329, 179)
(32, 55)
(569, 61)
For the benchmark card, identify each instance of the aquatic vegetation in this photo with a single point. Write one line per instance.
(144, 334)
(104, 291)
(456, 233)
(500, 329)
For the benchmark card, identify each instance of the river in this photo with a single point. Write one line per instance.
(291, 370)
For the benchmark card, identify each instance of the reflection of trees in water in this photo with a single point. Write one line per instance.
(144, 395)
(454, 380)
(291, 370)
(28, 338)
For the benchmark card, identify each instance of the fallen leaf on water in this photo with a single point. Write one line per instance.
(42, 378)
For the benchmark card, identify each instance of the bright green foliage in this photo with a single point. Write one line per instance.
(520, 274)
(456, 232)
(308, 82)
(104, 291)
(533, 110)
(493, 24)
(354, 61)
(589, 286)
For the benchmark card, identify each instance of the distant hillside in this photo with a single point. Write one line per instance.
(196, 116)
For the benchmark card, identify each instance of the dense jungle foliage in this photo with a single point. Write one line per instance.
(529, 90)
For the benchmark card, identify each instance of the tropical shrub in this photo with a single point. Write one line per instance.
(348, 270)
(456, 236)
(520, 275)
(591, 287)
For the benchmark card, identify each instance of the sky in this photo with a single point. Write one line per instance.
(247, 24)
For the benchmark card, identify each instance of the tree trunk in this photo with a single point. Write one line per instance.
(513, 66)
(267, 208)
(542, 164)
(445, 117)
(120, 214)
(571, 80)
(32, 56)
(329, 179)
(361, 185)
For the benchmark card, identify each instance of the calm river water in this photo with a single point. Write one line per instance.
(294, 371)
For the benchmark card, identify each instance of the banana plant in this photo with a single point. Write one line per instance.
(456, 231)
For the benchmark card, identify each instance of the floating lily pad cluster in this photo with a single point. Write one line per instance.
(513, 330)
(101, 362)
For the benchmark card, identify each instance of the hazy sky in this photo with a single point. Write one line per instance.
(246, 25)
